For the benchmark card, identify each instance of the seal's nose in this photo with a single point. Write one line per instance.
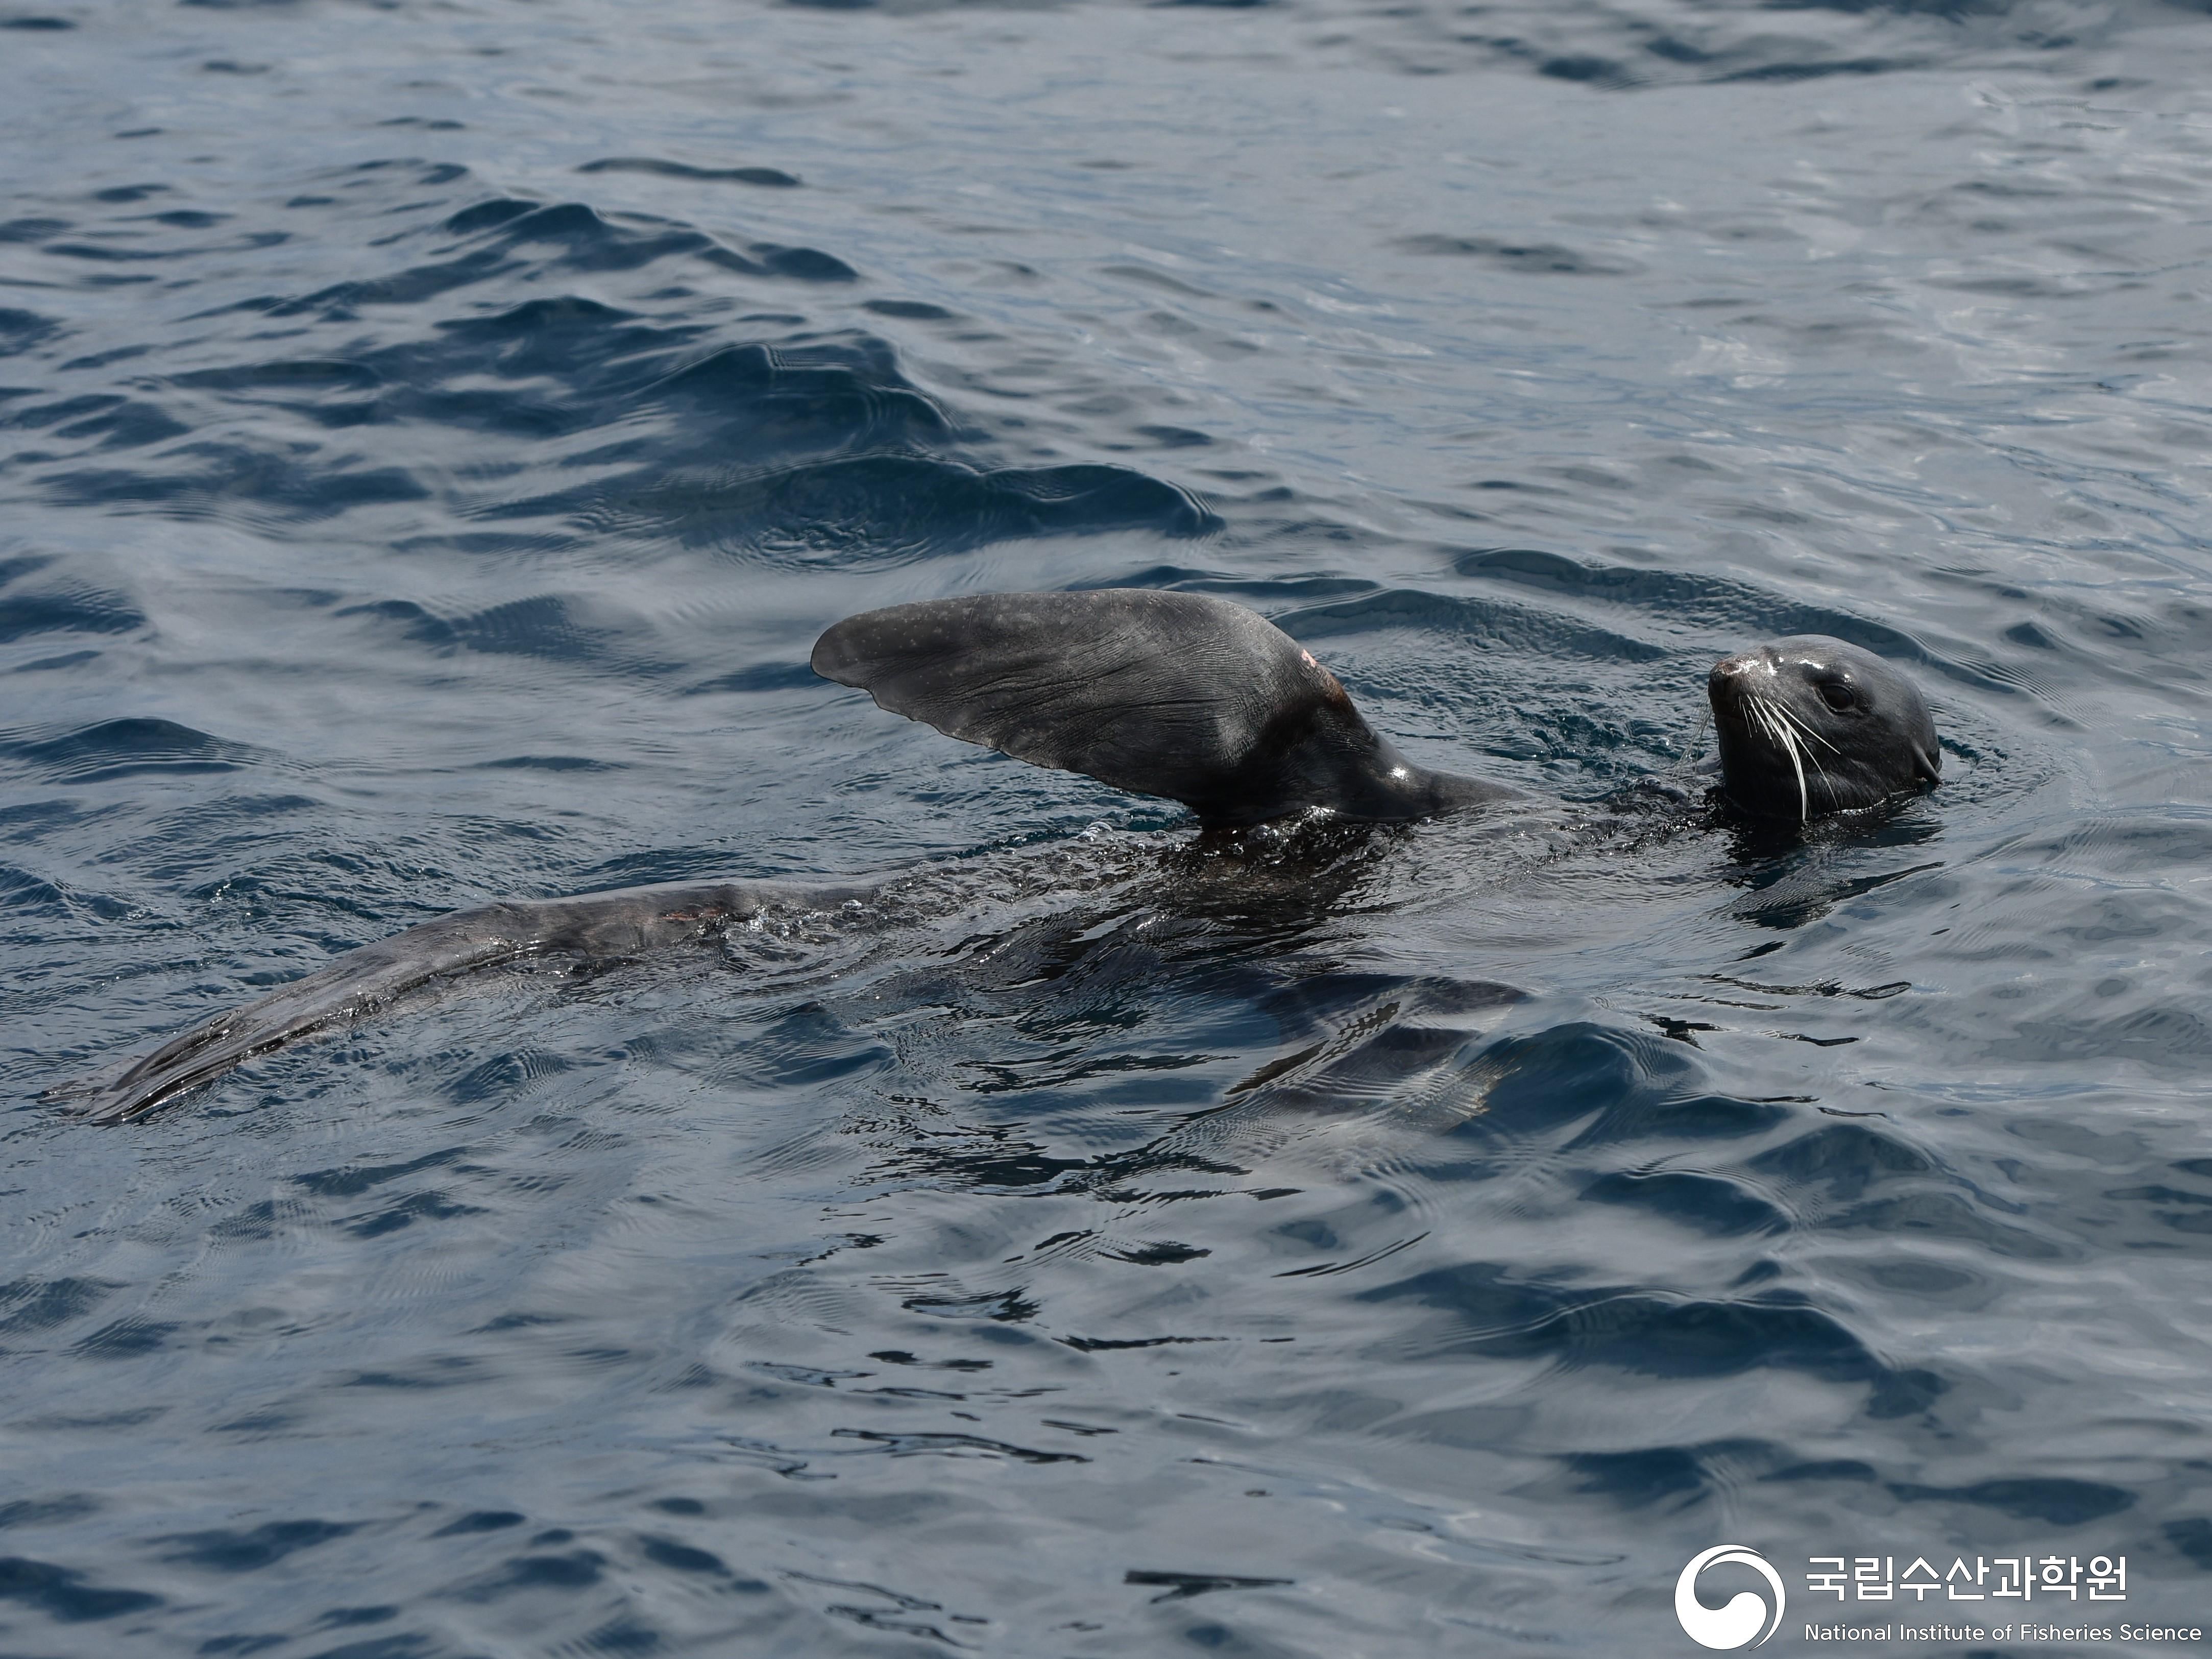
(1730, 673)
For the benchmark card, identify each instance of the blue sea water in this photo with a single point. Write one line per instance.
(432, 434)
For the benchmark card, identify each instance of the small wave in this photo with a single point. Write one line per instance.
(768, 177)
(870, 510)
(126, 748)
(21, 329)
(69, 607)
(1536, 258)
(1530, 628)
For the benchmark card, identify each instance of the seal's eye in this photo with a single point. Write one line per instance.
(1838, 695)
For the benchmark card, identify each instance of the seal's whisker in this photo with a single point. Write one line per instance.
(1691, 746)
(1770, 717)
(1799, 758)
(1805, 731)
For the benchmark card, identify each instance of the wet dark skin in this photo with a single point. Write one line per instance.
(1182, 695)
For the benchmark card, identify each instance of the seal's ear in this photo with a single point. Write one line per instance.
(1179, 695)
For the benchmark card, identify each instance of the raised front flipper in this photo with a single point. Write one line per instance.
(611, 924)
(1179, 695)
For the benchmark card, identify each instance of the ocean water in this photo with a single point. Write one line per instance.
(432, 435)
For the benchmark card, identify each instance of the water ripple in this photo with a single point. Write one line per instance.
(431, 452)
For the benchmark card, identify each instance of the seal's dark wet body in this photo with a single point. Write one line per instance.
(1182, 695)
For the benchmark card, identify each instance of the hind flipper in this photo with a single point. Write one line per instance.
(614, 923)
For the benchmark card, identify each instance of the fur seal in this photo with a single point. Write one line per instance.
(1182, 695)
(1198, 700)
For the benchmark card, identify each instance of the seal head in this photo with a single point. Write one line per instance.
(1811, 725)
